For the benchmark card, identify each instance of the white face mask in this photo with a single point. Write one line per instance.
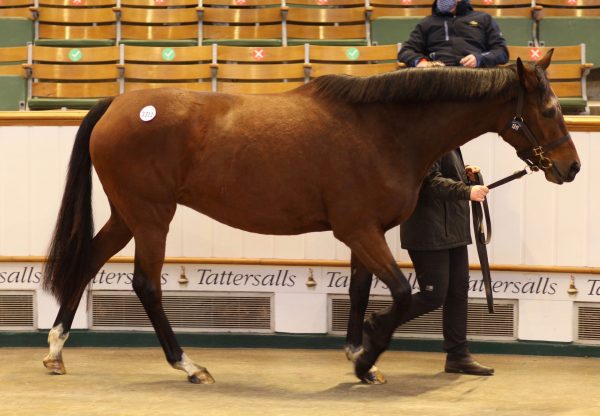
(446, 6)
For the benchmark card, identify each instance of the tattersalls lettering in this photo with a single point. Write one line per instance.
(26, 275)
(543, 286)
(595, 289)
(339, 280)
(114, 278)
(283, 278)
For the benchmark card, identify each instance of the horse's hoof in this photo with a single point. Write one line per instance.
(374, 376)
(201, 376)
(352, 352)
(55, 365)
(362, 366)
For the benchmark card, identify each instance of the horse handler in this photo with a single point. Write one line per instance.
(436, 237)
(437, 234)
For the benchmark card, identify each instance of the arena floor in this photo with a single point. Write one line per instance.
(137, 381)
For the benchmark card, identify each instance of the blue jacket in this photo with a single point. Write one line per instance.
(448, 38)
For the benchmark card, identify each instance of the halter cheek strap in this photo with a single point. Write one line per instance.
(534, 157)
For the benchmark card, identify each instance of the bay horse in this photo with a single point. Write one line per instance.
(339, 153)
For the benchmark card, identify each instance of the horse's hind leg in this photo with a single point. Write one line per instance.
(109, 240)
(149, 258)
(370, 247)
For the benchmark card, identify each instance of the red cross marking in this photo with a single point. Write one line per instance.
(572, 2)
(534, 53)
(406, 1)
(76, 2)
(258, 54)
(322, 1)
(239, 1)
(159, 1)
(488, 1)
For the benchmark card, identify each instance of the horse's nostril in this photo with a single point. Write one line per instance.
(575, 167)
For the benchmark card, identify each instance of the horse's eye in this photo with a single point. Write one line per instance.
(550, 112)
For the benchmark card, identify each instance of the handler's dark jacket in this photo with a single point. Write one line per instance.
(449, 38)
(441, 219)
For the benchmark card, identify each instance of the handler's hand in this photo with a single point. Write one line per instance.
(429, 64)
(471, 171)
(478, 193)
(469, 61)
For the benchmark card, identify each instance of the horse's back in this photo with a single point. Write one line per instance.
(187, 109)
(205, 150)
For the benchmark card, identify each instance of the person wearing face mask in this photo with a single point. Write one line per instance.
(455, 35)
(437, 233)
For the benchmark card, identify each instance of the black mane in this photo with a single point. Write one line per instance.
(412, 84)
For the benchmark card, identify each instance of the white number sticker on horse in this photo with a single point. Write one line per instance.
(148, 113)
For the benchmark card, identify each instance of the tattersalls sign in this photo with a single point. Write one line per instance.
(595, 287)
(20, 276)
(207, 278)
(272, 279)
(505, 284)
(302, 279)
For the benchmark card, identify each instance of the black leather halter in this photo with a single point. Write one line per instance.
(535, 156)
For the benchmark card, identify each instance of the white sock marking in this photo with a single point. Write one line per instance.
(56, 340)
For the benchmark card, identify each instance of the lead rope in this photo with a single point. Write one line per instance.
(483, 235)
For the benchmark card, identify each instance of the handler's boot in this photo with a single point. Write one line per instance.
(466, 364)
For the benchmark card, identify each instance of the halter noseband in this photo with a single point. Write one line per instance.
(534, 157)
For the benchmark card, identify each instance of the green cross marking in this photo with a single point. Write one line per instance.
(168, 54)
(352, 54)
(75, 55)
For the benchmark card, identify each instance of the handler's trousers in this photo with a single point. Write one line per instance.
(443, 277)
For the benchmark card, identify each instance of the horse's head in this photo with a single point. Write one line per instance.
(537, 130)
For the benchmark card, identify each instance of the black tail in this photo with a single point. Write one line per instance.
(65, 274)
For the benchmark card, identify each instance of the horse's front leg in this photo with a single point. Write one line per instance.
(371, 250)
(360, 287)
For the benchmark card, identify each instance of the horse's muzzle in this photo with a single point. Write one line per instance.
(573, 171)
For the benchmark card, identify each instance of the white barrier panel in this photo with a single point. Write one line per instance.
(535, 222)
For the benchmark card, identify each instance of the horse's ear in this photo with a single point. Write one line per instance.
(544, 63)
(526, 75)
(520, 68)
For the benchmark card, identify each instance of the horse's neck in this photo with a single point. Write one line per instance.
(449, 126)
(471, 120)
